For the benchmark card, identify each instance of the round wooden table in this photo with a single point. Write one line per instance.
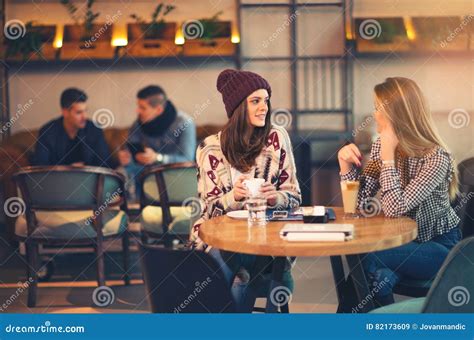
(371, 234)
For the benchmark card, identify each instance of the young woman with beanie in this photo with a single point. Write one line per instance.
(247, 147)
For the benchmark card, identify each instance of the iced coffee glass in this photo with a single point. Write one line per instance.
(350, 190)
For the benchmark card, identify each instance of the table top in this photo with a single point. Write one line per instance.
(370, 234)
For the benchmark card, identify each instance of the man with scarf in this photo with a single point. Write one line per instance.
(160, 135)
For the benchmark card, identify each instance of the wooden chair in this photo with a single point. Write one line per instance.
(66, 206)
(168, 202)
(184, 281)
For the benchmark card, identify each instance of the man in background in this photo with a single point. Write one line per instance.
(160, 135)
(71, 139)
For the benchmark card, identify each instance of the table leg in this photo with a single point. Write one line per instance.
(364, 297)
(346, 294)
(276, 293)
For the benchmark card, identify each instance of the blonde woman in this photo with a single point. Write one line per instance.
(416, 177)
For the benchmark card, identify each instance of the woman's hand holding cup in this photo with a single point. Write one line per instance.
(269, 191)
(240, 190)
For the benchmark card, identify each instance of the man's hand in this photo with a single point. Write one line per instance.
(146, 158)
(124, 157)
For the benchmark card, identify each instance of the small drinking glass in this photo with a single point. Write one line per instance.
(257, 208)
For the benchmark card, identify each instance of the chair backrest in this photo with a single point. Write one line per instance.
(453, 288)
(173, 183)
(69, 188)
(465, 203)
(466, 171)
(184, 281)
(170, 185)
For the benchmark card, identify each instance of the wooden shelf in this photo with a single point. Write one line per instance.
(298, 4)
(414, 54)
(121, 62)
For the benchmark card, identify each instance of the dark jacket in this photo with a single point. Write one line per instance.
(52, 146)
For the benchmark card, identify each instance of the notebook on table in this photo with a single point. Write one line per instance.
(317, 232)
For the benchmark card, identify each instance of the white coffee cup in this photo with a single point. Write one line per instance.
(253, 185)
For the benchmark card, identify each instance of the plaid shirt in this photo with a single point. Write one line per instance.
(417, 187)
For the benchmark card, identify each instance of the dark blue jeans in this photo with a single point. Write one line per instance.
(414, 260)
(230, 264)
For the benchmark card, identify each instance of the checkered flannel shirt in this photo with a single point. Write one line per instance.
(416, 187)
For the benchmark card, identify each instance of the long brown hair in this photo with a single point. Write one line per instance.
(241, 143)
(404, 105)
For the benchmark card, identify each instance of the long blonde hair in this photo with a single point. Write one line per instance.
(406, 109)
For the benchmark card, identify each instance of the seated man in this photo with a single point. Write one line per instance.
(71, 139)
(160, 135)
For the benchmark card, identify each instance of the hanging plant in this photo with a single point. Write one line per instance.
(211, 27)
(30, 42)
(156, 26)
(87, 19)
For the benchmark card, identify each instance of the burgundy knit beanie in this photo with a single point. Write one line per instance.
(235, 86)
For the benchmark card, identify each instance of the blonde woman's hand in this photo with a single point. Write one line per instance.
(388, 143)
(348, 155)
(240, 190)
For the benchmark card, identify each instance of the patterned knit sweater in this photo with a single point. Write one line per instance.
(275, 164)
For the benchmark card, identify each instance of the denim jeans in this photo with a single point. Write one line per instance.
(245, 268)
(414, 260)
(132, 172)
